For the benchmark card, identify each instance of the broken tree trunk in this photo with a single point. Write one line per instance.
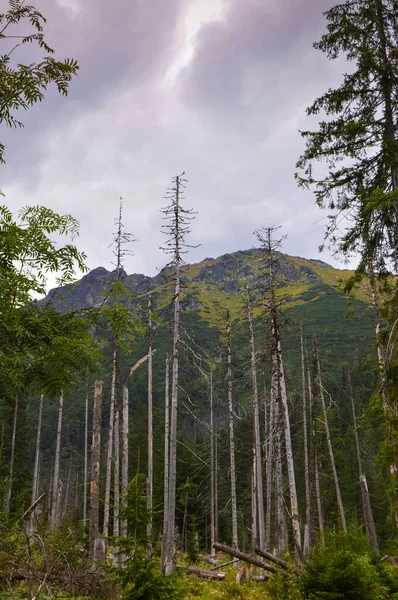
(278, 561)
(245, 557)
(202, 573)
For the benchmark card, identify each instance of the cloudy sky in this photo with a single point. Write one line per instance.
(217, 88)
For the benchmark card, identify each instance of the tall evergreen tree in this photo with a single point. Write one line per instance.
(358, 138)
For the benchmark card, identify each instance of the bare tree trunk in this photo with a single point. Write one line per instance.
(94, 539)
(116, 475)
(231, 438)
(67, 491)
(306, 547)
(319, 503)
(108, 475)
(215, 484)
(289, 453)
(35, 485)
(366, 504)
(315, 496)
(254, 503)
(169, 554)
(85, 473)
(212, 468)
(281, 537)
(257, 435)
(329, 439)
(55, 508)
(270, 454)
(125, 466)
(166, 451)
(149, 501)
(176, 231)
(7, 498)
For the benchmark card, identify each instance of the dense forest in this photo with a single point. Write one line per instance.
(227, 428)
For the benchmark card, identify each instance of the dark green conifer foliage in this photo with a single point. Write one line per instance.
(358, 137)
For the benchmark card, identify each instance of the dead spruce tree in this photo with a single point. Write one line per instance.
(320, 391)
(270, 246)
(257, 460)
(96, 546)
(306, 545)
(231, 435)
(119, 319)
(365, 496)
(176, 229)
(56, 491)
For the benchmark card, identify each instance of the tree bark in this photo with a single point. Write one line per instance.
(245, 557)
(270, 454)
(108, 476)
(231, 438)
(166, 451)
(257, 435)
(281, 537)
(212, 468)
(85, 473)
(289, 451)
(95, 472)
(125, 467)
(35, 485)
(329, 439)
(7, 499)
(168, 550)
(307, 544)
(55, 508)
(366, 504)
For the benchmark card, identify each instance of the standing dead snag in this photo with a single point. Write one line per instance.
(7, 497)
(258, 483)
(366, 505)
(328, 437)
(166, 451)
(96, 553)
(176, 230)
(35, 485)
(307, 535)
(231, 436)
(270, 246)
(55, 507)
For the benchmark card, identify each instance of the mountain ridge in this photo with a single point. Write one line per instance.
(227, 274)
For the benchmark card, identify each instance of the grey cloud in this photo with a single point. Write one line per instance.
(116, 43)
(258, 45)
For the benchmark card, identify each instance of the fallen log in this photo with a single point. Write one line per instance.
(244, 557)
(278, 561)
(203, 574)
(223, 565)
